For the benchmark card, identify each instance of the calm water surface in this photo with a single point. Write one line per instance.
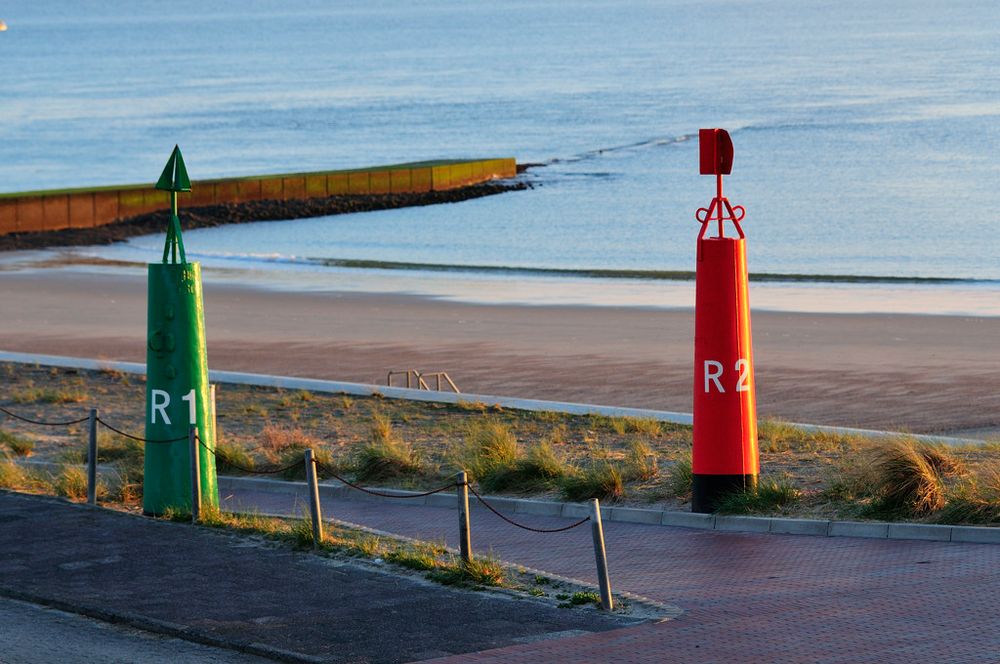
(867, 134)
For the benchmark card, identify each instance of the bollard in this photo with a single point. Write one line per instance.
(314, 508)
(195, 475)
(597, 530)
(724, 451)
(464, 528)
(92, 458)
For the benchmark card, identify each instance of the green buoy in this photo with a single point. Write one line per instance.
(177, 389)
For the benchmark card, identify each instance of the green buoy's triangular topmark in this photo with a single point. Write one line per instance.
(174, 176)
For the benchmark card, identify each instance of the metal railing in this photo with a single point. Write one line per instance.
(414, 377)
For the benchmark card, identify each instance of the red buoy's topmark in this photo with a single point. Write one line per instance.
(724, 457)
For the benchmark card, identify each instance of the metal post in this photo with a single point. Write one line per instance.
(464, 529)
(607, 603)
(195, 475)
(314, 509)
(92, 458)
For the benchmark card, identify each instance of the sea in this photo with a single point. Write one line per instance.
(867, 139)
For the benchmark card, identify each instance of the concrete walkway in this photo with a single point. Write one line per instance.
(208, 586)
(31, 634)
(747, 597)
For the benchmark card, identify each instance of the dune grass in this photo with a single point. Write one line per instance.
(48, 395)
(546, 455)
(386, 455)
(601, 480)
(906, 478)
(17, 444)
(768, 497)
(488, 447)
(12, 476)
(680, 477)
(641, 463)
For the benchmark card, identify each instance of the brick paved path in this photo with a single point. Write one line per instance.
(747, 597)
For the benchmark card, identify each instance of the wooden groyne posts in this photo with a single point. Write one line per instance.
(96, 206)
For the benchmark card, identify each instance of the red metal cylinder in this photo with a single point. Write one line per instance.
(724, 457)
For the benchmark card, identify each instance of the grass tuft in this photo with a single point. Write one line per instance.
(770, 495)
(906, 478)
(112, 447)
(231, 458)
(298, 471)
(601, 480)
(585, 597)
(625, 425)
(774, 436)
(12, 476)
(419, 556)
(381, 429)
(274, 440)
(48, 395)
(640, 461)
(489, 447)
(480, 571)
(71, 483)
(302, 533)
(680, 477)
(18, 445)
(977, 501)
(386, 455)
(128, 486)
(538, 470)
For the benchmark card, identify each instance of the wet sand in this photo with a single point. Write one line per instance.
(916, 373)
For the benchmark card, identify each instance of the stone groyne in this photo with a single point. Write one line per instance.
(53, 210)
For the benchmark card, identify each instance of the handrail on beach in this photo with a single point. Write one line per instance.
(412, 375)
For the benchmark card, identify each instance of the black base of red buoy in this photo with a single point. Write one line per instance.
(708, 490)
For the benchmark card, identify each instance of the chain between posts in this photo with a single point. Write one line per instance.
(41, 423)
(319, 465)
(337, 477)
(139, 438)
(258, 471)
(522, 526)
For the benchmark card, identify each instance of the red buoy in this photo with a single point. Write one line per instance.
(724, 456)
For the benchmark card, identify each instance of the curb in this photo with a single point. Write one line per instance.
(720, 522)
(361, 389)
(333, 490)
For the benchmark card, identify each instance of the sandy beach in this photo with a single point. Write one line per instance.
(905, 372)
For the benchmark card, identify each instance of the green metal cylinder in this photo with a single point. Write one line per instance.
(177, 390)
